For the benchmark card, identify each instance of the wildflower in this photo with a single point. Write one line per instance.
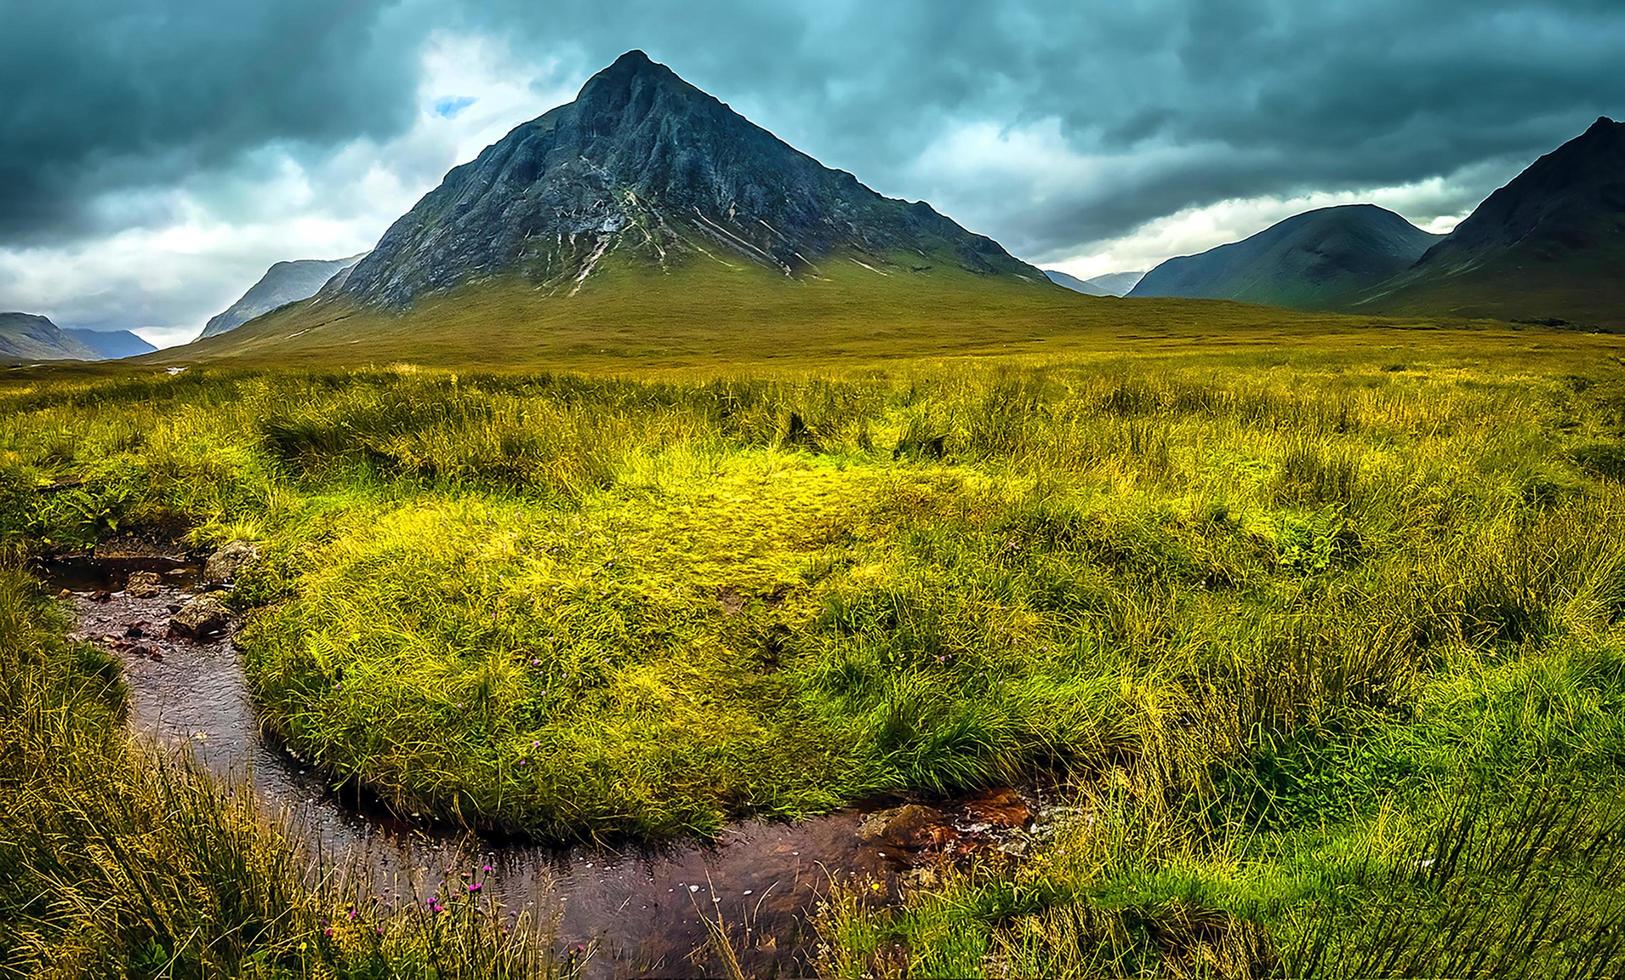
(486, 869)
(476, 886)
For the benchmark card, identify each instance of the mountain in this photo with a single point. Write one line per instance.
(1084, 286)
(1549, 246)
(283, 283)
(110, 344)
(643, 171)
(27, 337)
(1110, 284)
(1316, 260)
(1117, 283)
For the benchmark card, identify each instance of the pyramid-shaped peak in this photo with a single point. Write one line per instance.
(631, 66)
(645, 168)
(633, 60)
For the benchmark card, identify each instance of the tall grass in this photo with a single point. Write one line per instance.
(117, 861)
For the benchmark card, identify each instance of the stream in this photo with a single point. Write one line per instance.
(635, 911)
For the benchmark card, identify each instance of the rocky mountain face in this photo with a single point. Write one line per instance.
(283, 283)
(643, 167)
(28, 337)
(1316, 260)
(110, 344)
(1549, 246)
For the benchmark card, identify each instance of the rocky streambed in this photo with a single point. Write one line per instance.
(633, 911)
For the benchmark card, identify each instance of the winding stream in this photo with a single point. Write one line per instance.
(637, 911)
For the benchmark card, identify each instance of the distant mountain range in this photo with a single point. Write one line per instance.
(30, 337)
(1549, 247)
(1110, 284)
(283, 283)
(1317, 260)
(110, 344)
(655, 201)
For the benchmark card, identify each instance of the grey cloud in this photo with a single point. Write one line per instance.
(101, 97)
(1200, 100)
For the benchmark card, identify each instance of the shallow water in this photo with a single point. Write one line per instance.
(640, 912)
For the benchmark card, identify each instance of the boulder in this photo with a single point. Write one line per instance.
(143, 585)
(909, 825)
(231, 560)
(200, 618)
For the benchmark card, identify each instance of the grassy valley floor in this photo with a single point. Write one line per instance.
(1325, 626)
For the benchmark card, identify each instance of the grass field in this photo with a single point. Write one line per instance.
(1322, 617)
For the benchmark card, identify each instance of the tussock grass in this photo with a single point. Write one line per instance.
(1278, 604)
(115, 861)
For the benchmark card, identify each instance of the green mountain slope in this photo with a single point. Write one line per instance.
(1316, 260)
(1549, 246)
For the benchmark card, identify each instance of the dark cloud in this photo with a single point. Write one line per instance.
(1184, 103)
(102, 96)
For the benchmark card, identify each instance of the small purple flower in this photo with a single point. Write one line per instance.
(486, 869)
(475, 887)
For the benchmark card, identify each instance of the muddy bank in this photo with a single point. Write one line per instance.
(638, 911)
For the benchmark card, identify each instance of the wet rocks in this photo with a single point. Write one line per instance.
(995, 821)
(143, 585)
(200, 618)
(230, 561)
(998, 809)
(909, 825)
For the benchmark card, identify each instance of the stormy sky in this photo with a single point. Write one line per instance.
(157, 155)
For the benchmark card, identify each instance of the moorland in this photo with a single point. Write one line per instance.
(1317, 618)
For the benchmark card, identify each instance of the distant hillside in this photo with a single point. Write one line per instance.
(1320, 259)
(1549, 246)
(1116, 283)
(1075, 284)
(28, 337)
(283, 283)
(1110, 284)
(110, 344)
